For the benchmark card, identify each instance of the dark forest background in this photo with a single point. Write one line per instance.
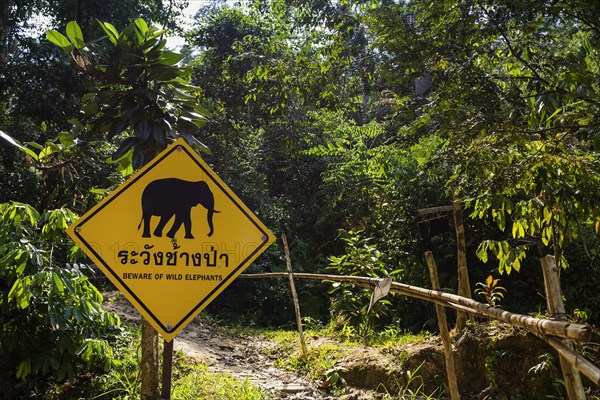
(334, 121)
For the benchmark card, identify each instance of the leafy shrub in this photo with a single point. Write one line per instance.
(50, 312)
(350, 301)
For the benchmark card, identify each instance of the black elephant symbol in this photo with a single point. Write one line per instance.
(175, 197)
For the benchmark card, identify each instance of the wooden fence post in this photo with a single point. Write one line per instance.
(464, 286)
(288, 262)
(556, 308)
(444, 334)
(149, 368)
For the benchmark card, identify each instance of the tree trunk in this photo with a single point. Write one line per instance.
(4, 31)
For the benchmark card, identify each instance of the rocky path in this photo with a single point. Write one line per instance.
(243, 357)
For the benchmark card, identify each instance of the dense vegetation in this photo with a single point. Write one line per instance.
(333, 120)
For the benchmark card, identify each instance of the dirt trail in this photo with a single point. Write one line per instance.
(243, 357)
(253, 358)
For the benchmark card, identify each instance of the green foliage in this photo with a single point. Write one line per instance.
(542, 207)
(122, 381)
(415, 387)
(329, 115)
(53, 154)
(142, 90)
(190, 379)
(52, 320)
(547, 362)
(513, 92)
(350, 301)
(40, 90)
(356, 164)
(509, 257)
(251, 64)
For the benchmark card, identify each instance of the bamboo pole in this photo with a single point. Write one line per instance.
(556, 307)
(583, 365)
(444, 334)
(288, 262)
(541, 327)
(433, 210)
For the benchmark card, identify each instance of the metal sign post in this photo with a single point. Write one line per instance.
(167, 370)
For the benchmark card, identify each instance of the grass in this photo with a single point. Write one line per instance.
(201, 384)
(319, 360)
(328, 345)
(191, 379)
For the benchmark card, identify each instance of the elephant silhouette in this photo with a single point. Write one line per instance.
(175, 197)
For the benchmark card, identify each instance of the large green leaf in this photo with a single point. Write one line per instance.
(143, 130)
(164, 74)
(117, 126)
(67, 139)
(16, 143)
(170, 57)
(153, 33)
(141, 29)
(111, 31)
(125, 146)
(60, 40)
(57, 283)
(75, 35)
(199, 146)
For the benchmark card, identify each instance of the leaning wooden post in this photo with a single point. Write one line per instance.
(443, 325)
(149, 369)
(288, 262)
(556, 307)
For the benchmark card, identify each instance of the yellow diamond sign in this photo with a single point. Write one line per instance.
(171, 238)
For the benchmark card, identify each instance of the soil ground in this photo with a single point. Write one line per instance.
(243, 357)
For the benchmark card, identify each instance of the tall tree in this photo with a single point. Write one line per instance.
(40, 90)
(293, 96)
(142, 98)
(515, 96)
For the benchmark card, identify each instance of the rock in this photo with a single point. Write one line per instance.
(291, 388)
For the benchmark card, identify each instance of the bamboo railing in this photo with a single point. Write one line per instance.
(541, 327)
(545, 329)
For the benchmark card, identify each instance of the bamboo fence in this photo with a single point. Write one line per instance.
(545, 329)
